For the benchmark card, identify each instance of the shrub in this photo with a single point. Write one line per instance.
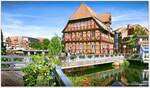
(38, 72)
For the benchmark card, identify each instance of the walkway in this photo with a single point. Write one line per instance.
(12, 78)
(94, 60)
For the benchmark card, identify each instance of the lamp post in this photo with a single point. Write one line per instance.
(124, 46)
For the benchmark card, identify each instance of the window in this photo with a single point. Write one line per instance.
(93, 46)
(92, 22)
(81, 46)
(81, 34)
(93, 33)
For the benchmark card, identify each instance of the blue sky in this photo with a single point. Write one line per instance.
(45, 19)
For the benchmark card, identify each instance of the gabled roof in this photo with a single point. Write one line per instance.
(86, 12)
(106, 17)
(82, 12)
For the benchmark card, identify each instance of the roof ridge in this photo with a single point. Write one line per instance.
(82, 11)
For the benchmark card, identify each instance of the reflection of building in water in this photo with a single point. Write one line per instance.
(105, 77)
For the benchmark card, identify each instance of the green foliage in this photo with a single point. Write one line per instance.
(133, 75)
(55, 46)
(45, 44)
(139, 30)
(35, 45)
(40, 45)
(77, 80)
(5, 60)
(125, 64)
(38, 72)
(132, 41)
(3, 51)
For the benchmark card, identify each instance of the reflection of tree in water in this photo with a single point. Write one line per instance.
(133, 75)
(125, 77)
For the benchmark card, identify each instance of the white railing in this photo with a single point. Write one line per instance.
(15, 65)
(94, 57)
(91, 60)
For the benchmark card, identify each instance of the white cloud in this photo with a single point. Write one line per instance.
(16, 27)
(130, 15)
(30, 30)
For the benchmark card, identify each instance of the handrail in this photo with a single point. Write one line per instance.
(13, 64)
(14, 56)
(60, 77)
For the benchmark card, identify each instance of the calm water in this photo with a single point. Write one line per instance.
(106, 75)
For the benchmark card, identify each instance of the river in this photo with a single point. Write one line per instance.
(107, 75)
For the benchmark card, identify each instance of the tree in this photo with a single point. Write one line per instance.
(55, 46)
(139, 30)
(45, 44)
(132, 41)
(36, 45)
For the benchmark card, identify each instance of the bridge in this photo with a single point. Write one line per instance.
(14, 62)
(89, 60)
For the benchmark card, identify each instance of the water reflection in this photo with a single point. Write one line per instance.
(119, 77)
(110, 76)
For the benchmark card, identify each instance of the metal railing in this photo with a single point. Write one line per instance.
(60, 78)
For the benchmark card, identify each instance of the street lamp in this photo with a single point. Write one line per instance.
(124, 46)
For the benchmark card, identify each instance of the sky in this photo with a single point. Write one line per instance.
(45, 19)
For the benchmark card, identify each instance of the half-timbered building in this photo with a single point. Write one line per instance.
(88, 33)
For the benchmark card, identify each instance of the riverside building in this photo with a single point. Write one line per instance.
(88, 33)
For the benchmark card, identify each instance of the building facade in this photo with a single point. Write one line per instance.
(19, 42)
(88, 33)
(143, 47)
(126, 33)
